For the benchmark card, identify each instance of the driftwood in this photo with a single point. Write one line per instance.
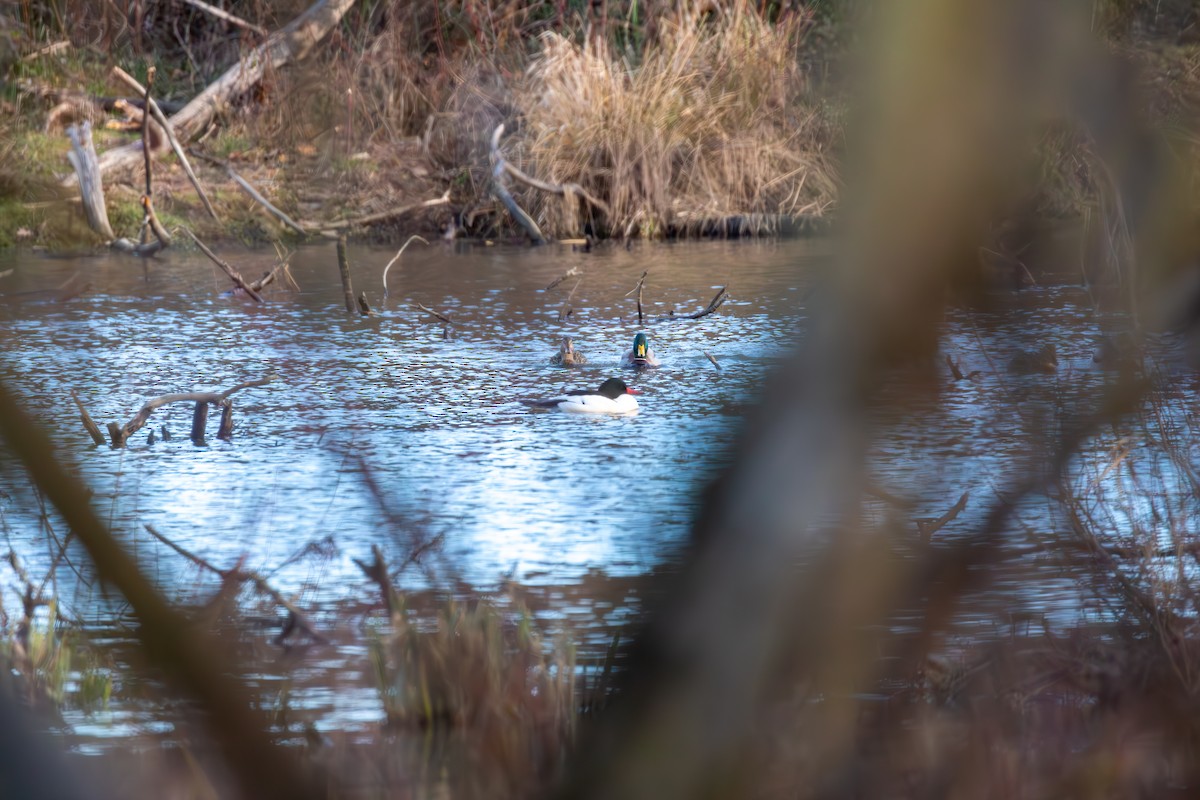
(165, 126)
(713, 359)
(199, 422)
(121, 433)
(501, 190)
(396, 258)
(92, 428)
(233, 274)
(344, 270)
(238, 575)
(88, 174)
(331, 228)
(290, 43)
(364, 307)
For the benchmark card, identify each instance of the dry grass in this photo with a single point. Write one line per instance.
(710, 124)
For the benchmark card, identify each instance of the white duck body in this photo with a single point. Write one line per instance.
(613, 397)
(599, 404)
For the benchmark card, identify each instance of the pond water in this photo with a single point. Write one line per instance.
(574, 509)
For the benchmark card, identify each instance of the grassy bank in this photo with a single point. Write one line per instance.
(670, 116)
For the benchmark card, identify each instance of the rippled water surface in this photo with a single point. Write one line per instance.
(429, 415)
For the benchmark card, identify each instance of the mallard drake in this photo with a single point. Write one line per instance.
(641, 355)
(567, 355)
(613, 397)
(1042, 360)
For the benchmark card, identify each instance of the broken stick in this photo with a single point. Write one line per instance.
(121, 433)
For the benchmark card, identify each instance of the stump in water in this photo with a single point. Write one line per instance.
(225, 432)
(199, 421)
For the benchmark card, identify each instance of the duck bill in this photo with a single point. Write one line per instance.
(631, 390)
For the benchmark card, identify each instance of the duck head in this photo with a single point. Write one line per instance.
(614, 388)
(641, 347)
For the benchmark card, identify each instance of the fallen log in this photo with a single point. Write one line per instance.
(121, 433)
(290, 43)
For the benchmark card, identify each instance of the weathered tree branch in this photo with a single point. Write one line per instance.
(501, 190)
(121, 433)
(233, 274)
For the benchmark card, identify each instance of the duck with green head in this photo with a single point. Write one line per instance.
(641, 355)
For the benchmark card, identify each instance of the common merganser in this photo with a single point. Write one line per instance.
(1043, 360)
(567, 355)
(613, 397)
(641, 355)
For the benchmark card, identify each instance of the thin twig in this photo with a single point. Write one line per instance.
(396, 258)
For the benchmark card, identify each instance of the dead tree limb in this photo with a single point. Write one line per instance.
(569, 273)
(717, 301)
(153, 108)
(230, 18)
(561, 189)
(501, 190)
(90, 424)
(264, 202)
(282, 268)
(121, 433)
(928, 527)
(429, 310)
(327, 228)
(233, 274)
(290, 43)
(88, 175)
